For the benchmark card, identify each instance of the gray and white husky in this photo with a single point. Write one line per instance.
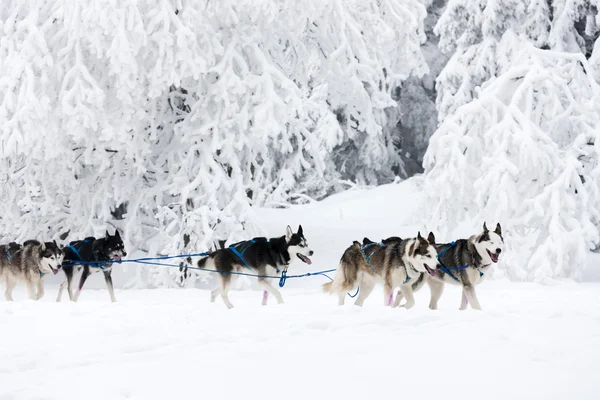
(29, 263)
(394, 262)
(258, 256)
(464, 262)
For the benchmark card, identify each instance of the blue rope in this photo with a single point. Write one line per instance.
(151, 261)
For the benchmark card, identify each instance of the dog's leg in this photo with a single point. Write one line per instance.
(67, 282)
(215, 293)
(84, 275)
(40, 289)
(463, 302)
(10, 285)
(436, 288)
(31, 292)
(60, 290)
(388, 294)
(407, 290)
(471, 297)
(399, 297)
(341, 298)
(270, 289)
(366, 287)
(109, 285)
(226, 281)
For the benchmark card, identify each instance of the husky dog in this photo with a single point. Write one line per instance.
(29, 263)
(395, 262)
(103, 251)
(464, 263)
(260, 256)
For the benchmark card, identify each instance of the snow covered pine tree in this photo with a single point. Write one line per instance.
(519, 140)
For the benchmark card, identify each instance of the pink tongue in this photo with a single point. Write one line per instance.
(117, 258)
(55, 271)
(308, 261)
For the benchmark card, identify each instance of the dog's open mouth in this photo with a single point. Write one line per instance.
(429, 270)
(304, 258)
(116, 257)
(493, 256)
(54, 270)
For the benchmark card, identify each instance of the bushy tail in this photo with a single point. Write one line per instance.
(339, 282)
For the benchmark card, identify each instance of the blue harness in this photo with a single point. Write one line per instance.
(368, 259)
(79, 258)
(240, 254)
(447, 270)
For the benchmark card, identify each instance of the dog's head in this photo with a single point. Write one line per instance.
(297, 245)
(114, 248)
(489, 244)
(51, 257)
(422, 253)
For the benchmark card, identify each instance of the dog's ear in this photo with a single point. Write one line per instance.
(54, 241)
(117, 234)
(107, 234)
(419, 237)
(288, 234)
(485, 228)
(431, 238)
(300, 233)
(498, 229)
(43, 246)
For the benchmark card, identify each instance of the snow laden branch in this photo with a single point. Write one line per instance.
(526, 153)
(170, 119)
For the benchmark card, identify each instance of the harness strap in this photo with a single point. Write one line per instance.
(74, 249)
(448, 269)
(368, 258)
(407, 277)
(240, 255)
(79, 258)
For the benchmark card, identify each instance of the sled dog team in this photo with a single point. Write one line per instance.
(403, 264)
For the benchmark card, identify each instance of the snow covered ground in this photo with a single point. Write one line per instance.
(530, 342)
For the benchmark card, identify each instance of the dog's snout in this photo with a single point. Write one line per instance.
(310, 253)
(498, 251)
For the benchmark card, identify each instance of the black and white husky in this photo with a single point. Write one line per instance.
(99, 251)
(258, 256)
(29, 263)
(464, 262)
(394, 262)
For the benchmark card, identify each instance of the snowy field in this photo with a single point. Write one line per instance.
(530, 342)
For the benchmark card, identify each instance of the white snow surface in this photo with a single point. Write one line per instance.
(530, 342)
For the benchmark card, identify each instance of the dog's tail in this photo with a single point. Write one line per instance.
(341, 282)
